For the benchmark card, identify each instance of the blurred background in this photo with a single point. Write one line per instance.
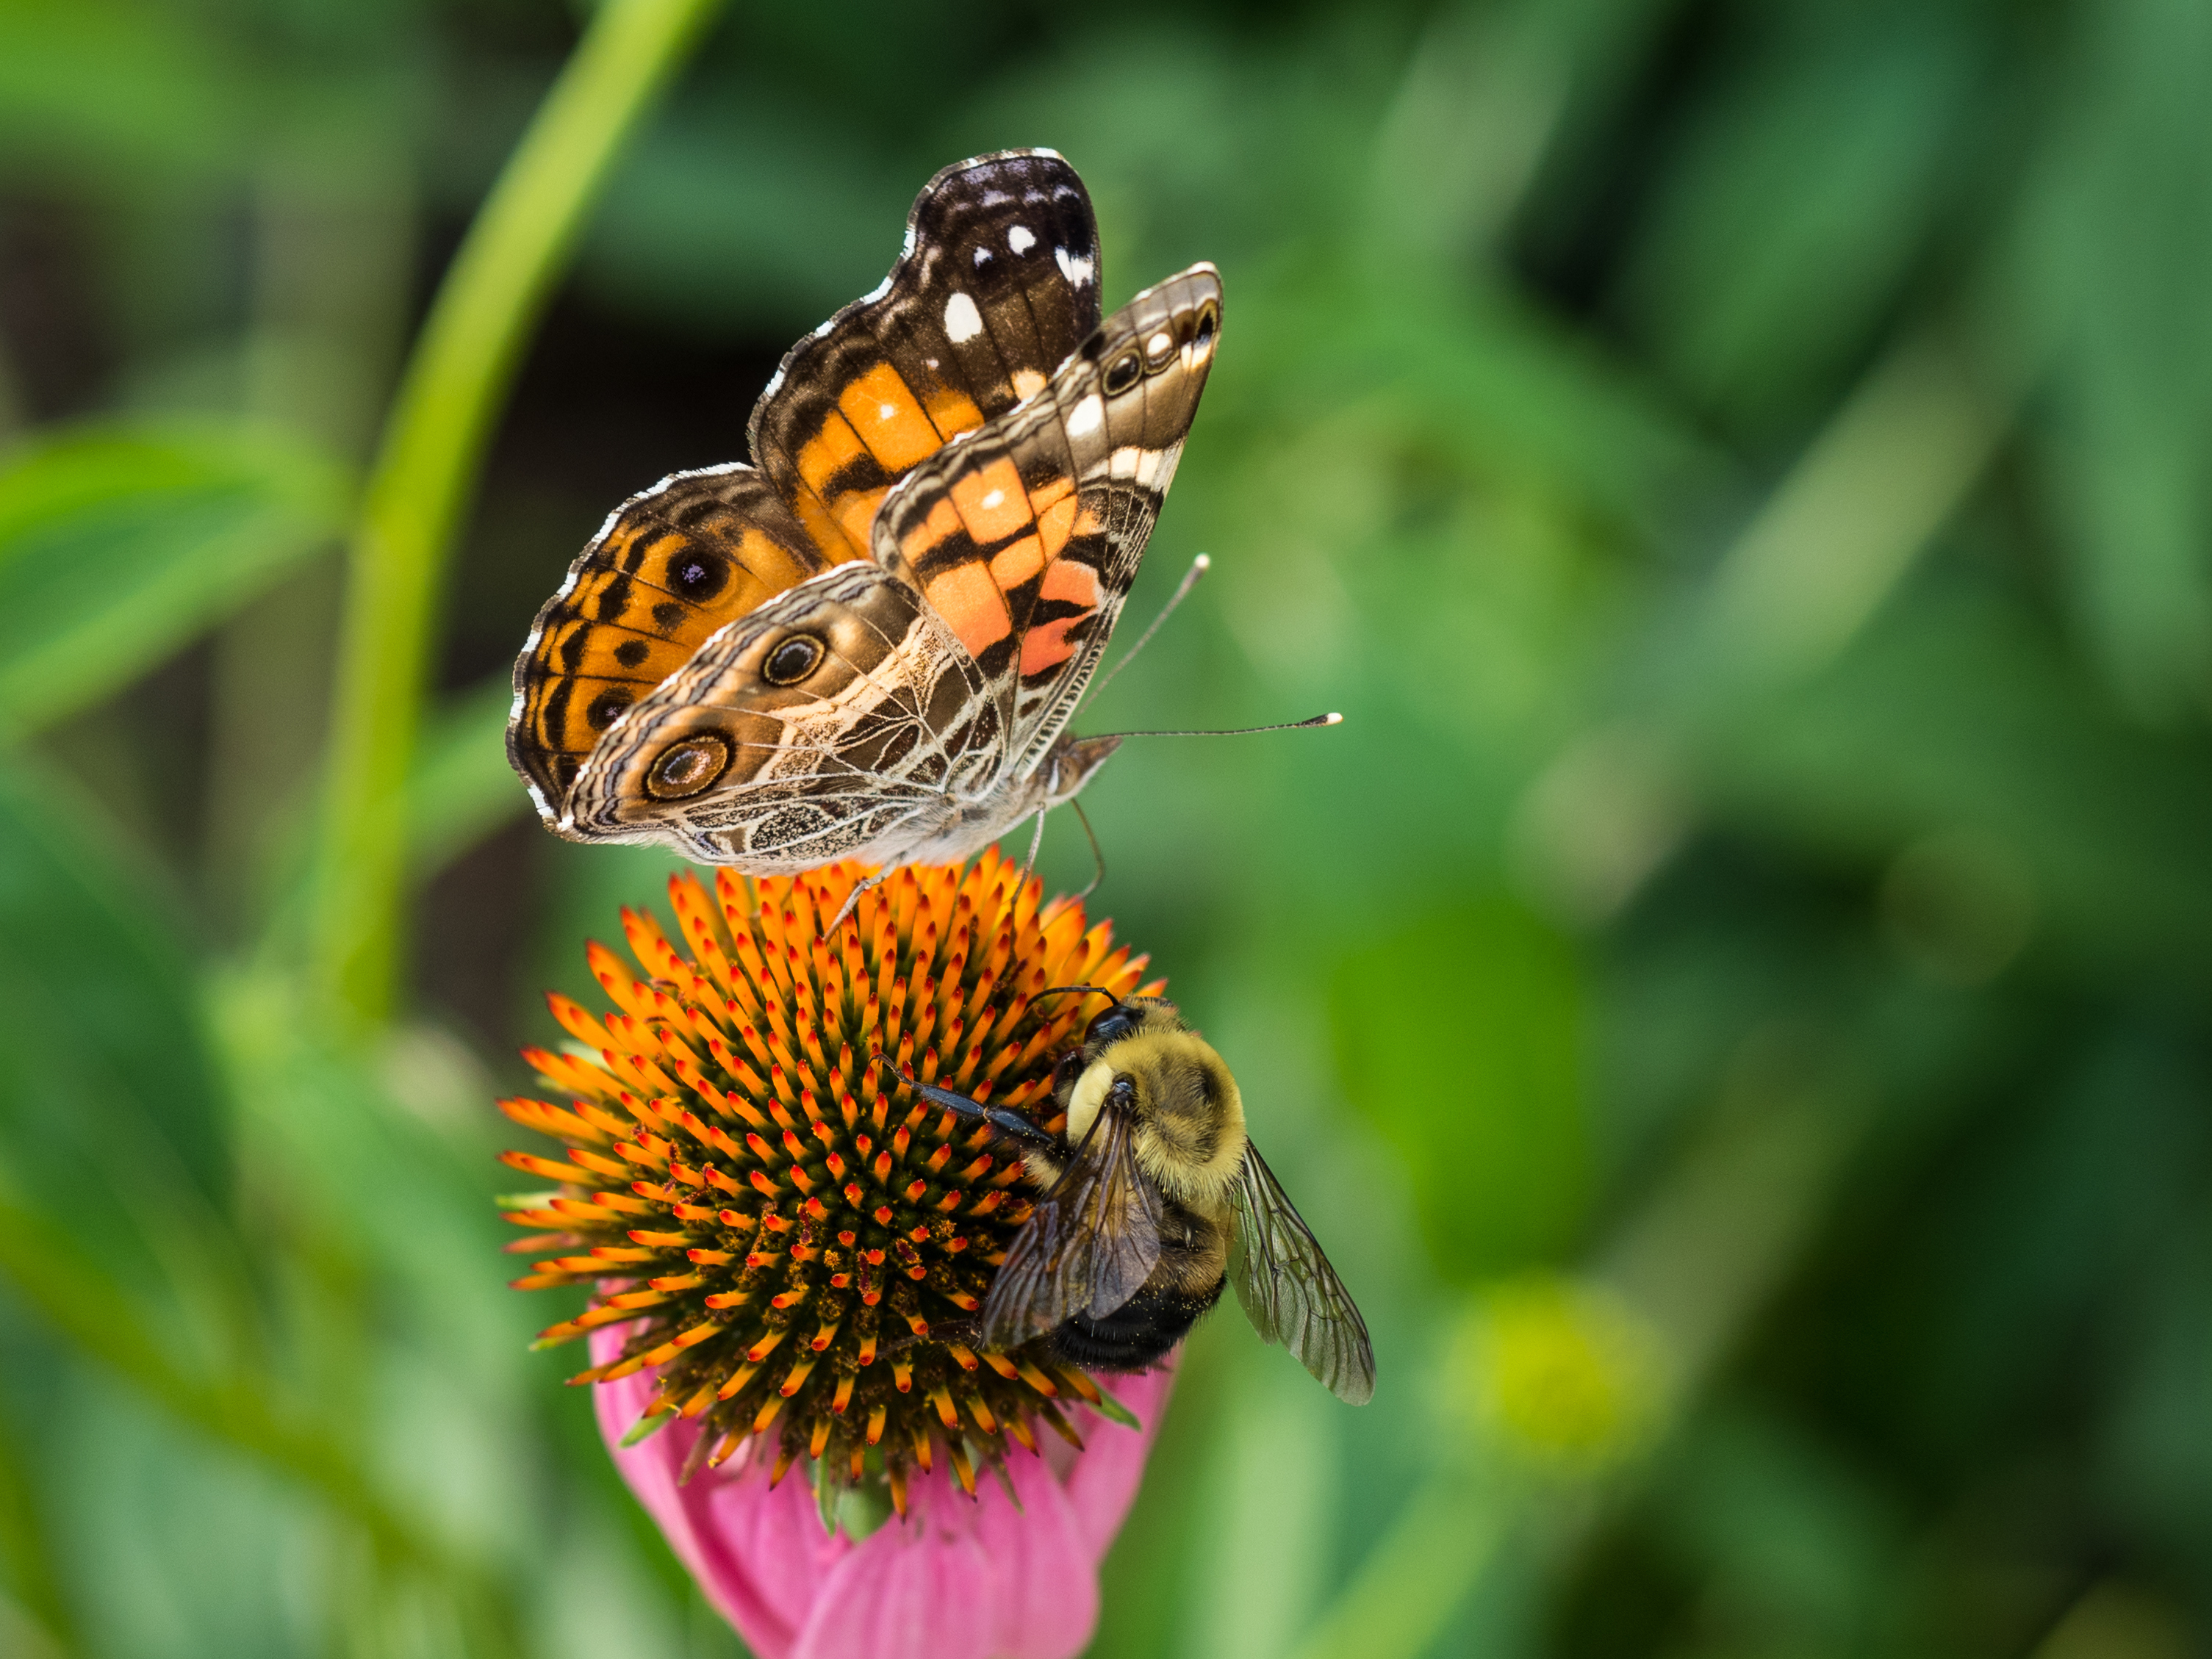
(1731, 997)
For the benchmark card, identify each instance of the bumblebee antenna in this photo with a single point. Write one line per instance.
(1063, 990)
(1199, 567)
(1232, 732)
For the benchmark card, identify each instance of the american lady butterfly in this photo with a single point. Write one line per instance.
(868, 643)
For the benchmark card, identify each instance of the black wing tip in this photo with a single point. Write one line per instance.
(1049, 160)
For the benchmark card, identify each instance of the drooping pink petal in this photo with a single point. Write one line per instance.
(958, 1578)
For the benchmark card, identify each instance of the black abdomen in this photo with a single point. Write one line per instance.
(1136, 1333)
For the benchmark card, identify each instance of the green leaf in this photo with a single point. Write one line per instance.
(111, 1116)
(1460, 1039)
(118, 545)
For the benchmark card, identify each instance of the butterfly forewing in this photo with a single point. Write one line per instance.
(1027, 537)
(1288, 1290)
(1088, 1244)
(997, 285)
(670, 567)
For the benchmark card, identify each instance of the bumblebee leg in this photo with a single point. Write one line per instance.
(1011, 1125)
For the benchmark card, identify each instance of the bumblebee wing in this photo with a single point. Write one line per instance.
(1289, 1292)
(1088, 1244)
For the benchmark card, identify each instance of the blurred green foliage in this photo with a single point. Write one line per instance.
(1742, 470)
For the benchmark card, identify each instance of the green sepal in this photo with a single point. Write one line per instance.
(1109, 1407)
(645, 1427)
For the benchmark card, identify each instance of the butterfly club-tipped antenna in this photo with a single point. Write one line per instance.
(1199, 567)
(1331, 718)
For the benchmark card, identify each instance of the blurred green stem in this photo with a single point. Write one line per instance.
(1443, 1539)
(433, 447)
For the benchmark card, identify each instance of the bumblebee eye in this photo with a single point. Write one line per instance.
(1114, 1025)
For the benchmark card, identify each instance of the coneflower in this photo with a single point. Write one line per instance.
(786, 1246)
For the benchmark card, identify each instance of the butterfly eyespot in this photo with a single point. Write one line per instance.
(605, 707)
(1124, 372)
(792, 660)
(1209, 320)
(684, 768)
(698, 575)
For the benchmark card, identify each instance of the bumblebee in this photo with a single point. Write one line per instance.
(1153, 1199)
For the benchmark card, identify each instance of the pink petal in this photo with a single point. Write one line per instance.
(760, 1557)
(1104, 1482)
(958, 1578)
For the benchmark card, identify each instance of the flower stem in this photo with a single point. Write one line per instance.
(433, 447)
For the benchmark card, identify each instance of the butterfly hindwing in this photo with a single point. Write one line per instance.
(669, 568)
(997, 285)
(1027, 535)
(828, 717)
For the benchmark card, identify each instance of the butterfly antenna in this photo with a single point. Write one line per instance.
(1199, 567)
(1232, 732)
(1097, 857)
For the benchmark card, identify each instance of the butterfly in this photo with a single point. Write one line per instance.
(868, 643)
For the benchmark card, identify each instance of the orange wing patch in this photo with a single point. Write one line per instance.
(968, 600)
(1019, 561)
(1046, 646)
(992, 501)
(675, 567)
(887, 419)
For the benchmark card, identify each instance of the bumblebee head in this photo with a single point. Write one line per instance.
(1125, 1019)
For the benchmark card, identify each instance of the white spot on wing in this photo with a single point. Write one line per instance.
(1020, 240)
(1152, 468)
(887, 411)
(992, 499)
(1086, 417)
(963, 322)
(1027, 382)
(1076, 267)
(983, 257)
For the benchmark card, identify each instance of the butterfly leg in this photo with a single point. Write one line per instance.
(1036, 840)
(1097, 856)
(853, 898)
